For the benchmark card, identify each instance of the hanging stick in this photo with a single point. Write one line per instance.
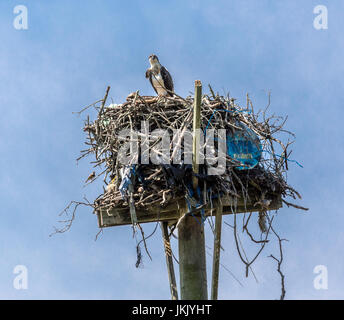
(216, 255)
(169, 261)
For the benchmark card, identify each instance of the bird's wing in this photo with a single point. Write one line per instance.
(168, 82)
(149, 75)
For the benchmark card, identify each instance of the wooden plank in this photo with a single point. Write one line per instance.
(121, 216)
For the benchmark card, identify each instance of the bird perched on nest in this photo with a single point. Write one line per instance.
(159, 77)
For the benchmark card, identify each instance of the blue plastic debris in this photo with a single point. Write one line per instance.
(126, 188)
(128, 174)
(244, 146)
(192, 202)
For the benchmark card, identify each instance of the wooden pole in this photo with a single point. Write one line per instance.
(104, 100)
(191, 242)
(192, 263)
(216, 255)
(196, 128)
(169, 261)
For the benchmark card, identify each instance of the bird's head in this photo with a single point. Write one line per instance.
(153, 59)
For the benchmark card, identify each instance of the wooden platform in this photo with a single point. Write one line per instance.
(121, 216)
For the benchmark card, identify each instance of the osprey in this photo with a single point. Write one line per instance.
(159, 77)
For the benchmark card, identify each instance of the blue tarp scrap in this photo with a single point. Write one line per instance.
(128, 174)
(192, 202)
(244, 146)
(176, 173)
(126, 189)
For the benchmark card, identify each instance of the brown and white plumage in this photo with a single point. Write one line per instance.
(91, 177)
(159, 77)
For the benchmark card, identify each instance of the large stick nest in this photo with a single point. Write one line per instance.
(160, 184)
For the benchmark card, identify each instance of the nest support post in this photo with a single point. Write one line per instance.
(192, 262)
(191, 241)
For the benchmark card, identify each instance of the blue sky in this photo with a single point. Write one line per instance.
(65, 60)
